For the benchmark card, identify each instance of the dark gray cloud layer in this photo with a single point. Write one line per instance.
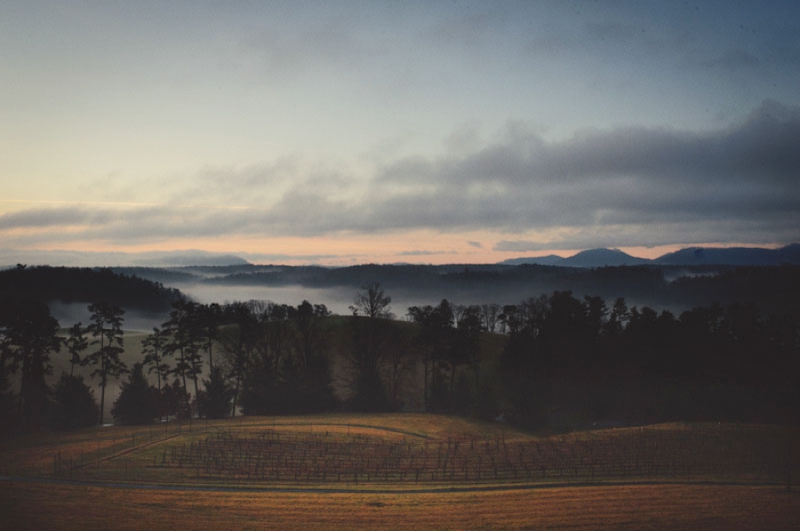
(619, 187)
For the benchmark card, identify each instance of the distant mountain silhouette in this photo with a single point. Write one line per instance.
(602, 258)
(187, 258)
(590, 258)
(732, 256)
(790, 254)
(550, 259)
(691, 256)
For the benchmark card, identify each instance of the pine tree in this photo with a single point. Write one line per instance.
(153, 349)
(76, 343)
(28, 335)
(74, 405)
(215, 400)
(106, 328)
(138, 400)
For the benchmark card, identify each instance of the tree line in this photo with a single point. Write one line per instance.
(638, 365)
(563, 358)
(79, 284)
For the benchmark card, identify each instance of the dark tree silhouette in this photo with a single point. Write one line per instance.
(314, 392)
(209, 316)
(72, 284)
(174, 401)
(238, 340)
(76, 343)
(185, 341)
(367, 389)
(372, 302)
(287, 366)
(138, 400)
(490, 314)
(8, 413)
(435, 342)
(153, 349)
(216, 397)
(271, 367)
(106, 328)
(28, 335)
(74, 405)
(467, 341)
(370, 335)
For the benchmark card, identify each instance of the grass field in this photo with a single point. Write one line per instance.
(42, 506)
(117, 478)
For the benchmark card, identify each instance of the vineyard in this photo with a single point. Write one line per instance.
(401, 471)
(261, 454)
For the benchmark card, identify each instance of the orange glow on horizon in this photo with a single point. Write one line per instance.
(343, 250)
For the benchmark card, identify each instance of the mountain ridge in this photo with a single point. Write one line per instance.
(689, 256)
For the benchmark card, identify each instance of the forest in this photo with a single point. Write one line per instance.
(554, 359)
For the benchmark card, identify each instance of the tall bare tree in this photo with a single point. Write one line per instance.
(372, 302)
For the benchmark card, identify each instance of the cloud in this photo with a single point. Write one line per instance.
(643, 180)
(423, 253)
(282, 258)
(45, 217)
(615, 187)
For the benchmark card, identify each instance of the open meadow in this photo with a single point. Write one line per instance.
(401, 471)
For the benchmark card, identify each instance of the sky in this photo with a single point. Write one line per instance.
(385, 131)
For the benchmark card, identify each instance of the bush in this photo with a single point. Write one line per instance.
(138, 401)
(74, 405)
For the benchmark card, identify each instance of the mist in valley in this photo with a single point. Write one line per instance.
(338, 299)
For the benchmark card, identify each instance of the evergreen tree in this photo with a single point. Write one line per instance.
(106, 328)
(28, 335)
(215, 400)
(237, 345)
(153, 349)
(76, 343)
(8, 413)
(208, 322)
(174, 401)
(74, 405)
(138, 400)
(185, 340)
